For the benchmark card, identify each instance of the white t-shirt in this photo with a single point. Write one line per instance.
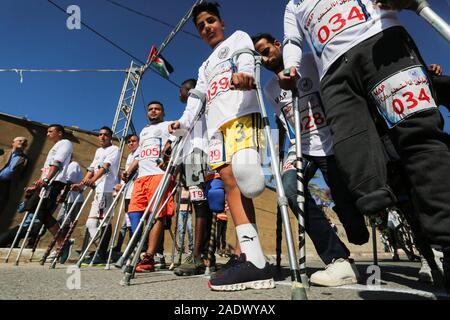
(151, 141)
(214, 77)
(332, 27)
(316, 135)
(131, 157)
(109, 155)
(61, 152)
(74, 175)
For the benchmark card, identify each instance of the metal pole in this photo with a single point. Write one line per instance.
(71, 229)
(174, 243)
(58, 234)
(424, 10)
(116, 228)
(41, 200)
(78, 264)
(17, 236)
(35, 244)
(298, 288)
(374, 244)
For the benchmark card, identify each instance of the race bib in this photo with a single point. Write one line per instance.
(312, 117)
(289, 164)
(402, 95)
(196, 194)
(216, 149)
(220, 81)
(329, 18)
(151, 149)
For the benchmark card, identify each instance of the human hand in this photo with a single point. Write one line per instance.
(242, 81)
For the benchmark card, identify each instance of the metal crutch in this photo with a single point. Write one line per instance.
(35, 244)
(131, 265)
(41, 200)
(423, 9)
(116, 228)
(174, 243)
(25, 215)
(70, 231)
(298, 288)
(111, 207)
(60, 230)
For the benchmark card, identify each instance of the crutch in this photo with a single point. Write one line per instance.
(300, 187)
(298, 288)
(116, 228)
(164, 184)
(132, 261)
(25, 215)
(104, 220)
(71, 229)
(60, 230)
(423, 9)
(174, 243)
(212, 244)
(36, 241)
(42, 196)
(279, 238)
(134, 238)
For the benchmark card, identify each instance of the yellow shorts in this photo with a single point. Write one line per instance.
(237, 134)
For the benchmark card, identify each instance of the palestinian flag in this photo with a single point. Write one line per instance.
(160, 64)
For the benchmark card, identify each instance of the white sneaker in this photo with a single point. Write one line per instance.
(438, 257)
(425, 271)
(51, 256)
(338, 273)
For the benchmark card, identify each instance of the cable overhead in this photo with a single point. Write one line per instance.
(113, 43)
(150, 17)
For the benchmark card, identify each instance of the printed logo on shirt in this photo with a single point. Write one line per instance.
(306, 84)
(223, 53)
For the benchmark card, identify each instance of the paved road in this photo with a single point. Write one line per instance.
(32, 281)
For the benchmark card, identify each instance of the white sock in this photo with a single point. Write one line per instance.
(91, 225)
(249, 241)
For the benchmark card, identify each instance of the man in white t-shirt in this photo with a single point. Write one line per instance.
(370, 68)
(317, 152)
(151, 140)
(102, 175)
(55, 166)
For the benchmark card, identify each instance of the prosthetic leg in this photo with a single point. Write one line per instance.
(298, 288)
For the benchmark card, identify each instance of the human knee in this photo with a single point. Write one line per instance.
(246, 166)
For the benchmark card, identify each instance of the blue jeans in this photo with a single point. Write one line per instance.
(327, 243)
(185, 216)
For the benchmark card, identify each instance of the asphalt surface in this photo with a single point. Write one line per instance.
(33, 281)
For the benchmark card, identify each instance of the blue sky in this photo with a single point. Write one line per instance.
(34, 35)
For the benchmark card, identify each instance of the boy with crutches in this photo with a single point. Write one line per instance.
(233, 123)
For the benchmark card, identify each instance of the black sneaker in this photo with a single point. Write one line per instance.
(66, 251)
(242, 275)
(231, 262)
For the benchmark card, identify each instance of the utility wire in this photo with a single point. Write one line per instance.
(113, 44)
(150, 17)
(62, 70)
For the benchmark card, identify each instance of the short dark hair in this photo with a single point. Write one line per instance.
(270, 38)
(156, 102)
(190, 82)
(210, 7)
(107, 129)
(58, 127)
(129, 136)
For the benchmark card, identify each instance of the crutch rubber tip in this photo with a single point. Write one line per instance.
(119, 263)
(6, 260)
(16, 263)
(125, 280)
(298, 291)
